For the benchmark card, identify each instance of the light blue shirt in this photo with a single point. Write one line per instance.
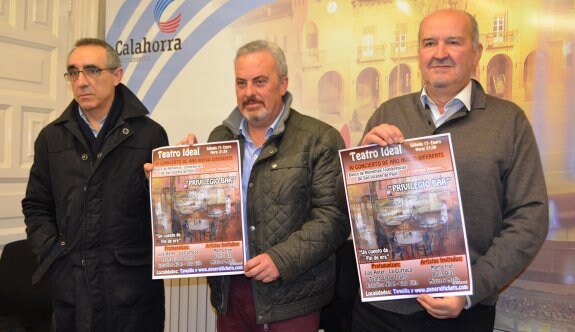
(251, 153)
(83, 116)
(463, 98)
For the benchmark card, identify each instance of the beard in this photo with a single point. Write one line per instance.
(254, 114)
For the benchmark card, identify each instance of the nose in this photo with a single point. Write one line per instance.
(250, 89)
(81, 80)
(440, 51)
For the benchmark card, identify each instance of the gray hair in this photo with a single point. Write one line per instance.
(474, 31)
(267, 46)
(112, 58)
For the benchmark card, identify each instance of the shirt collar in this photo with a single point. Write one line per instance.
(463, 96)
(83, 116)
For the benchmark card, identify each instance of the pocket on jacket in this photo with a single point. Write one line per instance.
(131, 275)
(62, 283)
(289, 182)
(133, 256)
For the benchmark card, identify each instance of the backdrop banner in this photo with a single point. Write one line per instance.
(345, 58)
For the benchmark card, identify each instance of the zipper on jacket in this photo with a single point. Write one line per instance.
(266, 329)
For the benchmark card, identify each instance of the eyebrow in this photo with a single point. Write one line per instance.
(85, 66)
(446, 38)
(252, 79)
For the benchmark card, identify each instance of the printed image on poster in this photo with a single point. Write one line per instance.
(197, 220)
(406, 219)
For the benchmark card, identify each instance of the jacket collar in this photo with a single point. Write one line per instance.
(477, 96)
(133, 107)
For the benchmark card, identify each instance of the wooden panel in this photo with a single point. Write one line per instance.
(12, 225)
(39, 21)
(27, 67)
(40, 14)
(33, 120)
(12, 204)
(5, 135)
(6, 14)
(40, 17)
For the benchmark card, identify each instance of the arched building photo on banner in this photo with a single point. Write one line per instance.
(347, 57)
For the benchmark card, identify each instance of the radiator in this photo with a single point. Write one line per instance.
(188, 307)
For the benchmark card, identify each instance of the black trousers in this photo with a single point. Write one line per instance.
(367, 318)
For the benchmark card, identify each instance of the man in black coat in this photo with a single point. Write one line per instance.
(87, 207)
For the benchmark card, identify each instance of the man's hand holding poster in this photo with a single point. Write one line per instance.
(406, 219)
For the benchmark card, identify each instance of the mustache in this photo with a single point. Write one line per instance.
(441, 62)
(251, 100)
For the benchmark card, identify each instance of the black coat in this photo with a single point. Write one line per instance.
(89, 223)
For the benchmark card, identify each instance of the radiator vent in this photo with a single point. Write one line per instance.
(188, 307)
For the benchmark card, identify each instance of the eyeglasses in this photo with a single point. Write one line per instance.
(91, 72)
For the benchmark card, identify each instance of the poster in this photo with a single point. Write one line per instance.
(197, 221)
(406, 219)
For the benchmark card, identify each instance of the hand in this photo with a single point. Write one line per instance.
(383, 135)
(191, 139)
(148, 168)
(262, 268)
(443, 307)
